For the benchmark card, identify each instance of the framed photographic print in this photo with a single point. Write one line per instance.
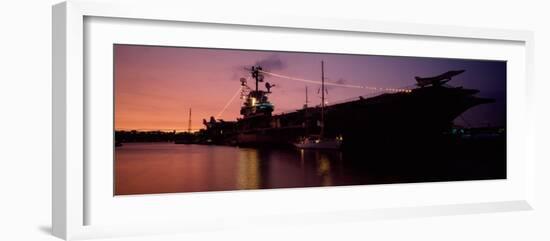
(178, 129)
(370, 122)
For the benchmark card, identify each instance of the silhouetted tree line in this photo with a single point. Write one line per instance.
(151, 136)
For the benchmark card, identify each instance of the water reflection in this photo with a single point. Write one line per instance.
(248, 174)
(323, 168)
(164, 167)
(143, 168)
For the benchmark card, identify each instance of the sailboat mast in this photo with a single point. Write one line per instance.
(322, 98)
(189, 123)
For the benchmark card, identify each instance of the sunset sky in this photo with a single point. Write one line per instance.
(156, 86)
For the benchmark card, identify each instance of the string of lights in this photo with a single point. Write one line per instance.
(229, 102)
(337, 84)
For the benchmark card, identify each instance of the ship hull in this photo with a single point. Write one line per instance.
(417, 119)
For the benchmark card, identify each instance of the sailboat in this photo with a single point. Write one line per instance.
(319, 141)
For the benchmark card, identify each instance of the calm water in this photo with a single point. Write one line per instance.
(143, 168)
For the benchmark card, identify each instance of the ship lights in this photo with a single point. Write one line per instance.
(253, 101)
(374, 88)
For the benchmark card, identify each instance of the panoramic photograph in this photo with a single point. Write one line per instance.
(204, 119)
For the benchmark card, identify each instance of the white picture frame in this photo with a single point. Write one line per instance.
(71, 189)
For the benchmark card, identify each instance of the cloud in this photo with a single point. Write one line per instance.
(341, 81)
(271, 62)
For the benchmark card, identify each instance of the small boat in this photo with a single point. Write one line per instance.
(316, 142)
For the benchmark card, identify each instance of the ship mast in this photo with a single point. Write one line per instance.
(256, 75)
(322, 99)
(307, 101)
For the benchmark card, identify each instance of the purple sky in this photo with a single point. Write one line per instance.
(156, 86)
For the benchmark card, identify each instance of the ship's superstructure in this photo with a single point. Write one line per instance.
(256, 100)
